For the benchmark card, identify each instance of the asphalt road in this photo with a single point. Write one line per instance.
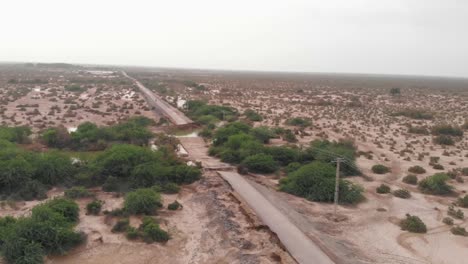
(173, 114)
(296, 242)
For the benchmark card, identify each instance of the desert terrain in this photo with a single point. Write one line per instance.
(362, 109)
(215, 225)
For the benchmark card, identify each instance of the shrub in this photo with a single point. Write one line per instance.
(151, 232)
(142, 201)
(297, 121)
(121, 225)
(260, 163)
(132, 233)
(402, 193)
(410, 179)
(283, 155)
(418, 130)
(417, 169)
(459, 231)
(94, 207)
(170, 188)
(293, 166)
(262, 134)
(435, 184)
(111, 184)
(415, 114)
(383, 188)
(49, 230)
(413, 224)
(447, 220)
(444, 140)
(438, 167)
(183, 174)
(380, 169)
(316, 182)
(448, 130)
(252, 115)
(67, 208)
(174, 205)
(289, 136)
(78, 192)
(464, 171)
(458, 214)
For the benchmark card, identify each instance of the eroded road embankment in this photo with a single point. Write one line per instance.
(295, 241)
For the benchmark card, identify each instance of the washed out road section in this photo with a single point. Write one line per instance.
(296, 242)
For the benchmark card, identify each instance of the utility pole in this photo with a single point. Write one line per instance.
(337, 184)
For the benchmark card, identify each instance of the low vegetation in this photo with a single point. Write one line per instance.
(142, 201)
(410, 179)
(414, 114)
(89, 136)
(417, 169)
(413, 224)
(380, 169)
(383, 188)
(316, 182)
(402, 193)
(436, 184)
(49, 230)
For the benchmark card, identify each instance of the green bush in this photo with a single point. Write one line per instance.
(410, 179)
(447, 130)
(78, 192)
(458, 214)
(459, 231)
(316, 182)
(252, 115)
(132, 233)
(49, 230)
(94, 207)
(262, 134)
(289, 136)
(418, 130)
(415, 114)
(260, 163)
(151, 232)
(65, 207)
(464, 171)
(380, 169)
(402, 193)
(444, 140)
(142, 201)
(417, 169)
(463, 202)
(297, 121)
(174, 205)
(447, 221)
(383, 188)
(293, 166)
(413, 224)
(435, 184)
(283, 155)
(170, 188)
(121, 225)
(111, 184)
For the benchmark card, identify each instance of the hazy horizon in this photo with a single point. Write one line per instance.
(415, 37)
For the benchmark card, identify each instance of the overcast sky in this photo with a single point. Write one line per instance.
(428, 37)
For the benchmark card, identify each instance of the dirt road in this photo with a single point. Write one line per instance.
(162, 107)
(296, 242)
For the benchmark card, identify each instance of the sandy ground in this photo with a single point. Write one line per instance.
(212, 227)
(358, 108)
